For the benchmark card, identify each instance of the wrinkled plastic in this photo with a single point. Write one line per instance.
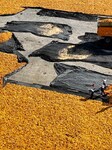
(46, 29)
(77, 79)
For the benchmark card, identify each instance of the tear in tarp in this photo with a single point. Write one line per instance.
(94, 52)
(77, 79)
(46, 29)
(68, 15)
(11, 45)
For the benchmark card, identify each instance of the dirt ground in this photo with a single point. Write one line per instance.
(86, 6)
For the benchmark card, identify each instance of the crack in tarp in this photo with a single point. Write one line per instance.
(45, 29)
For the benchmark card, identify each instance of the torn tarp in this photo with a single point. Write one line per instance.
(95, 52)
(46, 29)
(11, 45)
(77, 80)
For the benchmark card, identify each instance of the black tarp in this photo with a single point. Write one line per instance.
(89, 37)
(95, 52)
(69, 15)
(46, 29)
(77, 79)
(11, 45)
(20, 57)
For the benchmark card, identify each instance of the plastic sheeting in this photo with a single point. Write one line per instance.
(78, 80)
(95, 52)
(68, 15)
(11, 45)
(89, 37)
(46, 29)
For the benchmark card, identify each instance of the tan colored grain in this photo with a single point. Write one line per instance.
(5, 36)
(32, 119)
(8, 63)
(85, 6)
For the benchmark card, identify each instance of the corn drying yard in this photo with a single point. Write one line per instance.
(33, 115)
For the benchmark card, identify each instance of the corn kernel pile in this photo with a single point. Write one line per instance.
(86, 6)
(33, 119)
(8, 63)
(5, 36)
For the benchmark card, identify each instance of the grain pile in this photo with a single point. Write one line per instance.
(5, 36)
(8, 63)
(85, 6)
(34, 119)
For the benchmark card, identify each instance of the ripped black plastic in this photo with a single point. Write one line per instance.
(46, 29)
